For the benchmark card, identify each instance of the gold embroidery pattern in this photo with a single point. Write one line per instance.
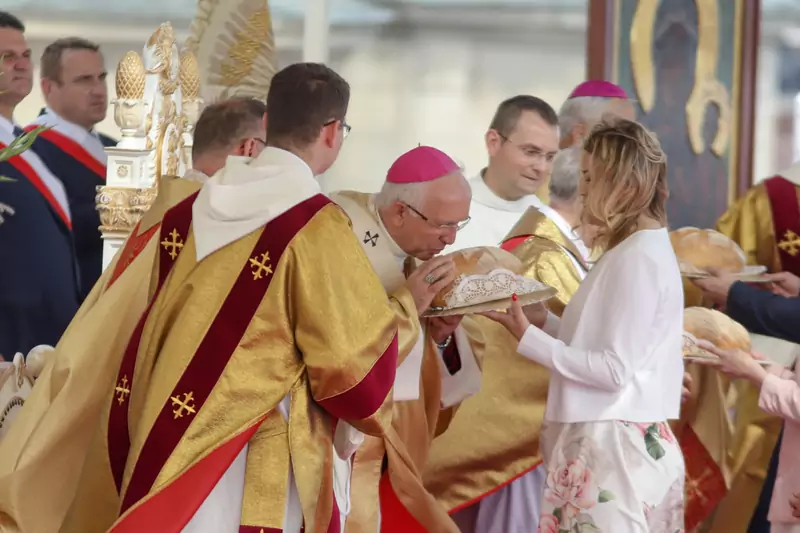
(185, 405)
(261, 265)
(790, 243)
(122, 389)
(174, 245)
(693, 486)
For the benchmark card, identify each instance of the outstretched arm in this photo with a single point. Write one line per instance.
(763, 312)
(618, 317)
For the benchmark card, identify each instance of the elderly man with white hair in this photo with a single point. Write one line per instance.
(486, 468)
(424, 201)
(586, 105)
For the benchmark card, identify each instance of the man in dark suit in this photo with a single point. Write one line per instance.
(775, 314)
(38, 274)
(75, 88)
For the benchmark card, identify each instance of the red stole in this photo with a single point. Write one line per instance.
(179, 500)
(24, 168)
(133, 247)
(73, 149)
(705, 484)
(782, 195)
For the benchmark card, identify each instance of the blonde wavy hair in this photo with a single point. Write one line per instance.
(624, 177)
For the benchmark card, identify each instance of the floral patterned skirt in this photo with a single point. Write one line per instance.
(612, 477)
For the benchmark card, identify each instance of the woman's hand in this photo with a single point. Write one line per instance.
(536, 314)
(686, 392)
(794, 501)
(513, 319)
(738, 363)
(785, 283)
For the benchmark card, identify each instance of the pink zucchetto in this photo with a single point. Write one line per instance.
(421, 164)
(598, 89)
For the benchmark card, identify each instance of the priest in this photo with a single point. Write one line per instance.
(44, 450)
(39, 288)
(75, 89)
(489, 477)
(268, 328)
(522, 141)
(424, 201)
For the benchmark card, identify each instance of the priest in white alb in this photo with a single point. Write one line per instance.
(522, 141)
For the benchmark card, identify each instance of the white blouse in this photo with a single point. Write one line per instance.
(617, 351)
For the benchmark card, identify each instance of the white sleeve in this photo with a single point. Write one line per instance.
(622, 310)
(551, 325)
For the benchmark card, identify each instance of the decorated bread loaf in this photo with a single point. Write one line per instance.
(477, 265)
(716, 328)
(698, 249)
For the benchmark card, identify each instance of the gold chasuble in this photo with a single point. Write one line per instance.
(426, 382)
(765, 222)
(493, 438)
(268, 326)
(44, 451)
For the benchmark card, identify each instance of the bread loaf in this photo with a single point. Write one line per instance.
(716, 328)
(477, 261)
(698, 249)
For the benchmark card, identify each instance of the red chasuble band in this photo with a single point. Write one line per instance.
(22, 166)
(174, 230)
(133, 247)
(782, 195)
(72, 149)
(513, 242)
(705, 484)
(395, 518)
(364, 399)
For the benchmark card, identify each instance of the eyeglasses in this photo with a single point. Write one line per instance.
(529, 151)
(344, 126)
(458, 226)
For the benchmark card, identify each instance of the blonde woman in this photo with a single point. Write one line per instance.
(613, 464)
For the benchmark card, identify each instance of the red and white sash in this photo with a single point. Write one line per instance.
(34, 169)
(77, 142)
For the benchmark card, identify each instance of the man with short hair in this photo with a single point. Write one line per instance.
(522, 141)
(74, 85)
(491, 480)
(236, 128)
(424, 201)
(585, 107)
(39, 287)
(268, 328)
(53, 430)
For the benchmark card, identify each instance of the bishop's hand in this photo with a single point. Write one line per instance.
(428, 279)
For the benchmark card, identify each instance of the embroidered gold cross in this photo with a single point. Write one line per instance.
(790, 243)
(693, 486)
(174, 245)
(185, 405)
(122, 389)
(261, 265)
